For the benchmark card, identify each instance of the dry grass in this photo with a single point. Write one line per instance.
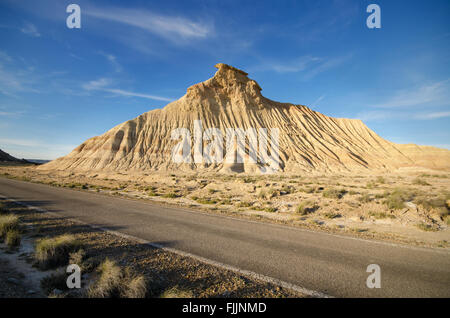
(426, 227)
(381, 215)
(115, 282)
(53, 252)
(13, 238)
(333, 193)
(176, 292)
(8, 223)
(304, 208)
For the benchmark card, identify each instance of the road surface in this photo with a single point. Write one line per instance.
(330, 264)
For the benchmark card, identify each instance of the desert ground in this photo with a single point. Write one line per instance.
(408, 206)
(111, 265)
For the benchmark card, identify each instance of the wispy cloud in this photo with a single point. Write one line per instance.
(173, 28)
(112, 59)
(310, 66)
(434, 94)
(11, 114)
(433, 115)
(382, 115)
(426, 102)
(103, 84)
(318, 100)
(30, 29)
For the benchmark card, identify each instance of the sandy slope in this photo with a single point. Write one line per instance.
(309, 141)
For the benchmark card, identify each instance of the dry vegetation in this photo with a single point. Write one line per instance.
(111, 266)
(412, 206)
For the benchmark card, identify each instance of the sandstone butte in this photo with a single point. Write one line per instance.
(308, 142)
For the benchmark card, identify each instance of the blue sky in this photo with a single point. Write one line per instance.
(60, 86)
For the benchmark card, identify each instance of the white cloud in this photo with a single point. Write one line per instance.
(380, 115)
(433, 115)
(435, 94)
(132, 94)
(113, 61)
(30, 29)
(310, 66)
(10, 114)
(169, 27)
(103, 83)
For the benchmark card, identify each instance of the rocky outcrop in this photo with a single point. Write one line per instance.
(308, 140)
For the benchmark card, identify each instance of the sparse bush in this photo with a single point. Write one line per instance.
(13, 238)
(419, 181)
(53, 252)
(170, 195)
(426, 227)
(435, 203)
(371, 185)
(270, 209)
(176, 292)
(332, 215)
(244, 204)
(305, 207)
(288, 189)
(77, 257)
(262, 194)
(115, 282)
(333, 193)
(396, 199)
(381, 215)
(8, 223)
(206, 201)
(380, 179)
(365, 198)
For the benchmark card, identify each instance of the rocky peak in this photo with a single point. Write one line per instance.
(228, 80)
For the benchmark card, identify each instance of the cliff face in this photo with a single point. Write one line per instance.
(308, 140)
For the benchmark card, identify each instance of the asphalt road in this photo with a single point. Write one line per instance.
(331, 264)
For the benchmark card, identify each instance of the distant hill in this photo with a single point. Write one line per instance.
(6, 157)
(38, 161)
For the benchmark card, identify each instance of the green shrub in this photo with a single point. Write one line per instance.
(53, 252)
